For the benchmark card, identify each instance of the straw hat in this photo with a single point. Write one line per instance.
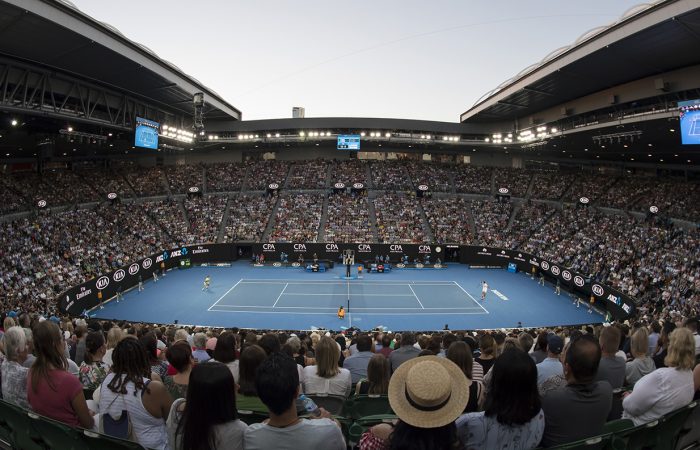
(428, 392)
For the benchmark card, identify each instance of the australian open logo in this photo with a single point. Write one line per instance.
(364, 248)
(268, 247)
(566, 275)
(332, 247)
(544, 265)
(102, 283)
(118, 275)
(423, 249)
(395, 248)
(299, 247)
(579, 281)
(555, 270)
(148, 262)
(134, 269)
(597, 290)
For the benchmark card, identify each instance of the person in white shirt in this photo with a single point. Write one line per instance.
(692, 325)
(484, 289)
(326, 377)
(666, 389)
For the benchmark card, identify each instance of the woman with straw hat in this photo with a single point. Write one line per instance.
(427, 394)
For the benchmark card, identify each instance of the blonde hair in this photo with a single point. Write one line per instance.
(327, 356)
(114, 335)
(681, 350)
(639, 343)
(8, 323)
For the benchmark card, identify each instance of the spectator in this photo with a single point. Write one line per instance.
(270, 343)
(248, 397)
(578, 410)
(200, 354)
(487, 345)
(665, 389)
(357, 363)
(405, 352)
(692, 325)
(326, 377)
(641, 364)
(666, 330)
(208, 419)
(14, 374)
(277, 381)
(654, 338)
(377, 378)
(460, 354)
(540, 352)
(150, 343)
(51, 390)
(147, 402)
(225, 352)
(114, 335)
(386, 346)
(29, 338)
(526, 341)
(179, 355)
(93, 370)
(512, 417)
(611, 368)
(427, 394)
(551, 366)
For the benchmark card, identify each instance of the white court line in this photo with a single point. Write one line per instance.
(348, 295)
(390, 283)
(225, 294)
(280, 296)
(414, 294)
(470, 296)
(330, 313)
(334, 309)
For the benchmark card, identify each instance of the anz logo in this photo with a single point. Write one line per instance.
(268, 247)
(175, 253)
(299, 247)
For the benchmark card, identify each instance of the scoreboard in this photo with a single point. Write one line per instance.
(348, 142)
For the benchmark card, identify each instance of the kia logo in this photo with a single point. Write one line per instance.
(102, 283)
(653, 209)
(597, 290)
(194, 189)
(579, 281)
(119, 275)
(148, 262)
(555, 270)
(273, 186)
(358, 186)
(584, 200)
(134, 269)
(112, 195)
(277, 264)
(339, 185)
(41, 203)
(566, 275)
(422, 187)
(544, 265)
(503, 190)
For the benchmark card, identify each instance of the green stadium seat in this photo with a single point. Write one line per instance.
(54, 434)
(672, 425)
(643, 437)
(592, 443)
(617, 425)
(103, 442)
(361, 425)
(22, 435)
(250, 417)
(367, 405)
(690, 431)
(331, 403)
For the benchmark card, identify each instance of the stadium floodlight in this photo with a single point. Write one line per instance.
(277, 135)
(70, 129)
(444, 138)
(553, 130)
(363, 134)
(240, 136)
(388, 135)
(427, 136)
(422, 136)
(269, 135)
(496, 136)
(301, 133)
(486, 139)
(257, 136)
(14, 122)
(211, 137)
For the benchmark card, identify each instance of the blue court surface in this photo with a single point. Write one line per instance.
(290, 298)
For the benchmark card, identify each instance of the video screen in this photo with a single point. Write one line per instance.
(690, 121)
(146, 133)
(348, 142)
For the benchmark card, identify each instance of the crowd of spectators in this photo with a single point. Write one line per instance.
(528, 218)
(550, 185)
(191, 387)
(348, 219)
(298, 218)
(225, 177)
(591, 186)
(491, 219)
(308, 175)
(473, 180)
(247, 217)
(264, 173)
(13, 200)
(673, 199)
(204, 215)
(437, 176)
(516, 181)
(390, 176)
(399, 219)
(182, 177)
(170, 216)
(147, 181)
(449, 219)
(349, 171)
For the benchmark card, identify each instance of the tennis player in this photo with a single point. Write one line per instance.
(484, 289)
(207, 281)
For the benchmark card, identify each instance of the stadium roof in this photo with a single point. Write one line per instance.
(647, 40)
(56, 34)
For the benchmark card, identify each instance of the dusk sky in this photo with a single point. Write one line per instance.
(395, 58)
